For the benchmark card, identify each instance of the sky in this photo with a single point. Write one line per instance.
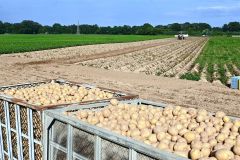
(120, 12)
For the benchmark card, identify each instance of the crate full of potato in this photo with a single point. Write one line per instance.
(21, 108)
(142, 129)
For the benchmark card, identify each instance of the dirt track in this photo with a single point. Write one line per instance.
(170, 90)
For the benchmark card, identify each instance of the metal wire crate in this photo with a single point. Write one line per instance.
(21, 123)
(116, 94)
(71, 139)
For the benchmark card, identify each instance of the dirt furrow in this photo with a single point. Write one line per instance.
(204, 74)
(181, 60)
(227, 74)
(188, 66)
(236, 70)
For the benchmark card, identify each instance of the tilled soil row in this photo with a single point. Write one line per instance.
(165, 60)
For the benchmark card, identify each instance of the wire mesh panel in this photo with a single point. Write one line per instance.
(12, 115)
(4, 137)
(14, 144)
(2, 112)
(60, 155)
(38, 151)
(114, 151)
(5, 156)
(37, 125)
(24, 121)
(83, 143)
(25, 148)
(59, 133)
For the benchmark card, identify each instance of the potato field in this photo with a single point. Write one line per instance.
(213, 59)
(171, 60)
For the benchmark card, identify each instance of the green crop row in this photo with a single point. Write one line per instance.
(14, 43)
(219, 51)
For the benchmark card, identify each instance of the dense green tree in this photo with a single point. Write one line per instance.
(28, 27)
(2, 28)
(31, 27)
(225, 28)
(175, 27)
(234, 26)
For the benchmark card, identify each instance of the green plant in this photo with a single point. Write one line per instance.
(191, 76)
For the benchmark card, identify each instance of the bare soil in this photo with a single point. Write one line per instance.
(61, 63)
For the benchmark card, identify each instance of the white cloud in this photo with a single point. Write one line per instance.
(219, 8)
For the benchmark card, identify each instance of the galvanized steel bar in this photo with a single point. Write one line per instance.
(132, 154)
(97, 150)
(49, 147)
(1, 142)
(8, 129)
(30, 134)
(69, 143)
(78, 157)
(58, 147)
(46, 120)
(19, 132)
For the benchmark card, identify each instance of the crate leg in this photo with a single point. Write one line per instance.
(132, 154)
(69, 145)
(97, 150)
(8, 129)
(30, 134)
(1, 142)
(19, 132)
(47, 121)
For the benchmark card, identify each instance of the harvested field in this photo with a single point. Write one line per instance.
(170, 60)
(61, 63)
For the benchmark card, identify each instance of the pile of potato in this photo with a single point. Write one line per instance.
(187, 132)
(54, 93)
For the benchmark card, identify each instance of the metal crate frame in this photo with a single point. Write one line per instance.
(134, 147)
(20, 137)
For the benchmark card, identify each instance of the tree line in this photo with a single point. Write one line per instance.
(31, 27)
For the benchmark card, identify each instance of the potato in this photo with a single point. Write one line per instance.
(145, 133)
(200, 118)
(124, 127)
(152, 138)
(182, 131)
(236, 150)
(212, 142)
(196, 144)
(219, 114)
(195, 154)
(205, 152)
(106, 113)
(189, 136)
(114, 102)
(162, 146)
(141, 124)
(161, 135)
(224, 154)
(135, 132)
(180, 146)
(173, 131)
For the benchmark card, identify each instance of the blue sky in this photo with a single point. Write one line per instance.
(119, 12)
